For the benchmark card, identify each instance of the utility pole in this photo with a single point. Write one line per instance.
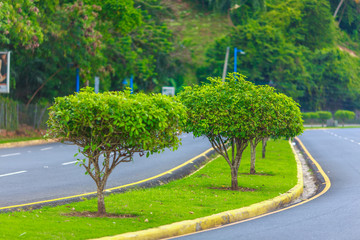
(226, 63)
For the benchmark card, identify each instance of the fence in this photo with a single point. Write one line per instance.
(14, 114)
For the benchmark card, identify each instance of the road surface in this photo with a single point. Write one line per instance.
(43, 172)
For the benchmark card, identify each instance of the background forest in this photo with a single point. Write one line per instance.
(307, 49)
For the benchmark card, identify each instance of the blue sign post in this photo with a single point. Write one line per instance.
(77, 80)
(132, 84)
(235, 57)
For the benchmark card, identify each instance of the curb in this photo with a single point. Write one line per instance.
(219, 219)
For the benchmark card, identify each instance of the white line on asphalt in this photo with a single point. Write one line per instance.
(352, 140)
(9, 155)
(9, 174)
(44, 149)
(67, 163)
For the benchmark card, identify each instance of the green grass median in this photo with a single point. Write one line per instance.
(18, 139)
(198, 195)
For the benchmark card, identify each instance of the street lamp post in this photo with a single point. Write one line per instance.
(77, 80)
(235, 57)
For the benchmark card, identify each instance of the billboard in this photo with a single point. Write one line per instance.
(4, 72)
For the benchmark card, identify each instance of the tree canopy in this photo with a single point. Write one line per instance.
(111, 127)
(235, 112)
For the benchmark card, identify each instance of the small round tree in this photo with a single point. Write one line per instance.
(273, 115)
(323, 116)
(343, 115)
(310, 116)
(219, 111)
(111, 127)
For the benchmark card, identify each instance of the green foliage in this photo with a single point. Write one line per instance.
(114, 126)
(117, 120)
(348, 16)
(334, 80)
(324, 115)
(218, 109)
(343, 115)
(236, 111)
(310, 115)
(109, 39)
(19, 24)
(291, 47)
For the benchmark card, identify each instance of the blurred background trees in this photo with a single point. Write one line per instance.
(302, 48)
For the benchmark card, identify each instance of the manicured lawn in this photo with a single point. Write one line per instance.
(189, 198)
(18, 139)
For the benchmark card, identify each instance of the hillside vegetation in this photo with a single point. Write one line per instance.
(306, 49)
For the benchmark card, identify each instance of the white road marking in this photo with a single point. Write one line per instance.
(9, 174)
(11, 154)
(44, 149)
(67, 163)
(352, 140)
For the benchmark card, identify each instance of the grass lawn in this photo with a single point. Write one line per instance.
(19, 139)
(189, 198)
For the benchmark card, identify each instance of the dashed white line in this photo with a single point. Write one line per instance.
(68, 163)
(14, 173)
(44, 149)
(11, 154)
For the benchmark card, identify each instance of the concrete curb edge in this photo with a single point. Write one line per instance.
(216, 220)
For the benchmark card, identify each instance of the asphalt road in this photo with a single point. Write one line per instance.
(43, 172)
(334, 215)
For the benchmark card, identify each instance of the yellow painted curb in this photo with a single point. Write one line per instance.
(27, 143)
(216, 220)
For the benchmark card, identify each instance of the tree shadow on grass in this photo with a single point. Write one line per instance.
(97, 215)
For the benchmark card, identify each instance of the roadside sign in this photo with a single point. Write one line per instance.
(170, 91)
(4, 72)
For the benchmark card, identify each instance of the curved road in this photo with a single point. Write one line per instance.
(43, 172)
(334, 215)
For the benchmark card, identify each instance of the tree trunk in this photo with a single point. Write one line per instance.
(264, 142)
(42, 85)
(234, 179)
(338, 8)
(101, 202)
(253, 156)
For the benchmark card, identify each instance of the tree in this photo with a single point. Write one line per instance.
(323, 116)
(111, 127)
(343, 115)
(311, 116)
(219, 111)
(19, 24)
(273, 115)
(232, 112)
